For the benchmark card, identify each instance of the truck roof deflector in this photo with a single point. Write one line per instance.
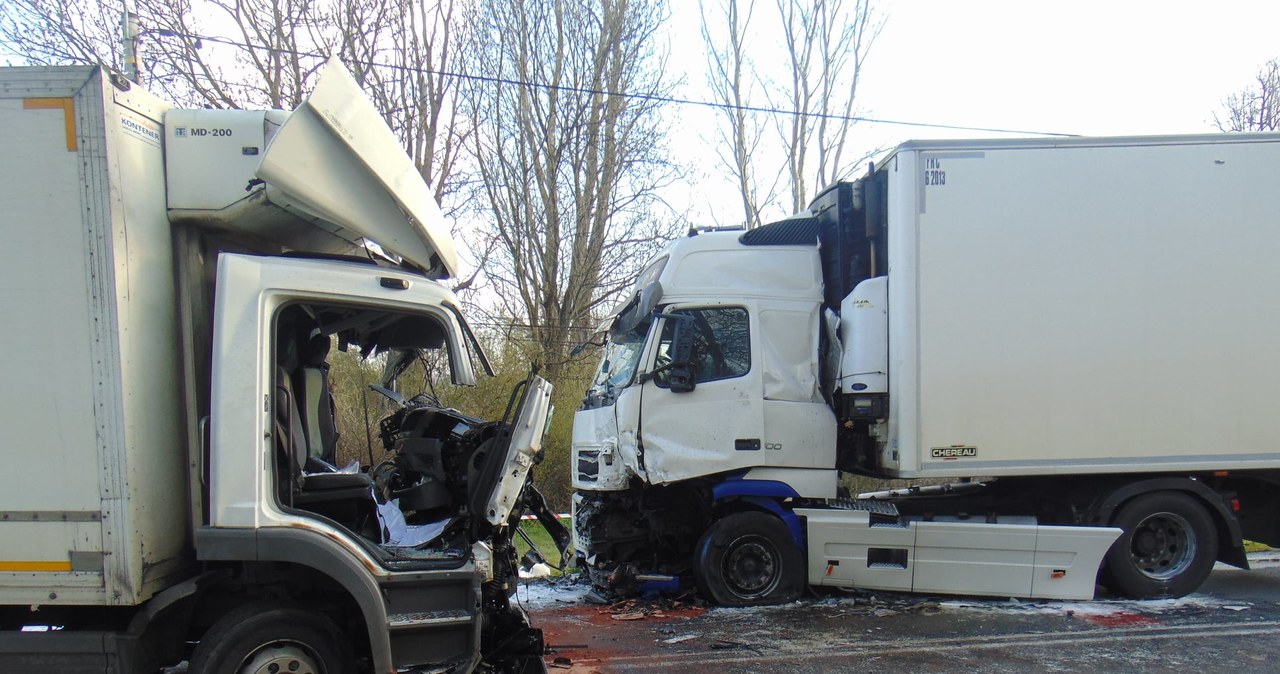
(336, 158)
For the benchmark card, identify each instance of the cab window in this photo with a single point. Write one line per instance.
(721, 343)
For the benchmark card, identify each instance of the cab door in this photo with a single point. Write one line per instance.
(716, 424)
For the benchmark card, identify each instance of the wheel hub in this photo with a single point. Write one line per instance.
(751, 566)
(281, 658)
(1163, 546)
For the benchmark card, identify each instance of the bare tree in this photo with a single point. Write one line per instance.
(1256, 107)
(60, 32)
(396, 48)
(826, 43)
(730, 76)
(569, 157)
(267, 62)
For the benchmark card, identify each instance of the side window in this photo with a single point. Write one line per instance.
(721, 343)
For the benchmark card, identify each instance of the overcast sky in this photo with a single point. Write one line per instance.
(1089, 67)
(1085, 67)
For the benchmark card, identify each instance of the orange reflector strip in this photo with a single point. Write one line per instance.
(68, 108)
(35, 566)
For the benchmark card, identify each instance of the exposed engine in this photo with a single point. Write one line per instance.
(654, 531)
(436, 458)
(440, 471)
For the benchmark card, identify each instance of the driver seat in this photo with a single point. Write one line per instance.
(311, 479)
(316, 400)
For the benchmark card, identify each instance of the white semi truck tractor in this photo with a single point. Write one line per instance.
(172, 282)
(1066, 345)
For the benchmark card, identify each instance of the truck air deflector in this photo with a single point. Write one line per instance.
(336, 158)
(789, 232)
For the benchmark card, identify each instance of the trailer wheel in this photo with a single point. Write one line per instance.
(747, 559)
(268, 637)
(1167, 549)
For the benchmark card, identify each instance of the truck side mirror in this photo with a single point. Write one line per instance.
(680, 375)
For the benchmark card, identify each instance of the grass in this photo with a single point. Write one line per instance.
(542, 539)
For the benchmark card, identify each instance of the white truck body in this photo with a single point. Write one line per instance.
(1111, 314)
(1083, 320)
(161, 283)
(93, 400)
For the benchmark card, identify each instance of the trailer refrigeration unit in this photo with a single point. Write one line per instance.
(1073, 341)
(172, 282)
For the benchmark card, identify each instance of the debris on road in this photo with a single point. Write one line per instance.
(722, 644)
(658, 608)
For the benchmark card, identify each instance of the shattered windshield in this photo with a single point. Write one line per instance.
(618, 367)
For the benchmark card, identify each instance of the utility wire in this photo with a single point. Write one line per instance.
(653, 98)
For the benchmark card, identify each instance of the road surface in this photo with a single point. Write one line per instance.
(1231, 624)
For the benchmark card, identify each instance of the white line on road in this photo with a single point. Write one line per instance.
(908, 646)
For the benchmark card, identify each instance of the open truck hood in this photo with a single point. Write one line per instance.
(336, 158)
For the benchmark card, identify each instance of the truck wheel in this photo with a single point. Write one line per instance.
(268, 637)
(1167, 549)
(747, 559)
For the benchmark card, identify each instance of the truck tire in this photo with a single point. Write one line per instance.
(252, 638)
(749, 559)
(1167, 549)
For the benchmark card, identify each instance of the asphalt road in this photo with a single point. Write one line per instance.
(1231, 625)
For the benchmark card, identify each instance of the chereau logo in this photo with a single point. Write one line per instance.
(954, 452)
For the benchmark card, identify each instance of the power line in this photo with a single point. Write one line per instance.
(653, 98)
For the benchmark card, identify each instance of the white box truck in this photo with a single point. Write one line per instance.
(171, 283)
(1071, 337)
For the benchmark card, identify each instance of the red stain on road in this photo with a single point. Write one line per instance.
(1121, 619)
(586, 638)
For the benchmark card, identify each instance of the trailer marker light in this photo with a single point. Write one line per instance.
(1235, 505)
(1058, 573)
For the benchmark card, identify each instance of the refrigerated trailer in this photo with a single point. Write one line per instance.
(171, 283)
(1065, 344)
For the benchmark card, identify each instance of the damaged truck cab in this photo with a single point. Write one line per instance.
(753, 364)
(174, 489)
(1012, 322)
(724, 334)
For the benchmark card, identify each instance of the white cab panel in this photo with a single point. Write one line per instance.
(854, 548)
(864, 324)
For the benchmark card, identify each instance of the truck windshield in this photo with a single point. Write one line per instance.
(618, 367)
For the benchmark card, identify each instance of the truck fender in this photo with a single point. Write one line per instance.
(312, 549)
(1230, 548)
(764, 494)
(157, 631)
